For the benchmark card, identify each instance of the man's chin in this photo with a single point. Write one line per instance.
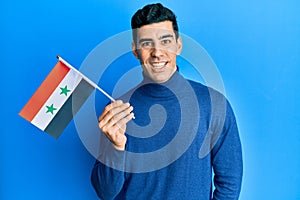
(160, 79)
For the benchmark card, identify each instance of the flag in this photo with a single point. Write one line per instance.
(57, 100)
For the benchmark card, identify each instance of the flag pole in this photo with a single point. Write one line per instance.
(86, 78)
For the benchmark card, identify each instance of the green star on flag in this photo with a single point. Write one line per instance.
(65, 90)
(50, 109)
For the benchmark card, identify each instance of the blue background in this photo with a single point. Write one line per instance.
(255, 44)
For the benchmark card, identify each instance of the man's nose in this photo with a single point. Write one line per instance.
(157, 50)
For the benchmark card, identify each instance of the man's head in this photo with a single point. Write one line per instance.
(156, 42)
(153, 13)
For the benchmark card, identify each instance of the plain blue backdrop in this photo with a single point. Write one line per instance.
(255, 44)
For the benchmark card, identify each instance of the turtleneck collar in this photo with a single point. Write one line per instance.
(161, 90)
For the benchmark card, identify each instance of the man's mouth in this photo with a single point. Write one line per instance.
(159, 65)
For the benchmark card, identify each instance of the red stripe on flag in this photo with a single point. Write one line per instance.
(38, 99)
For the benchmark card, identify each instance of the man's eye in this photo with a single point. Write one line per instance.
(166, 41)
(146, 44)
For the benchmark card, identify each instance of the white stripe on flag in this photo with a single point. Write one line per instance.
(56, 100)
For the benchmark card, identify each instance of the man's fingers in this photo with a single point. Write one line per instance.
(117, 117)
(117, 128)
(116, 133)
(109, 107)
(111, 110)
(113, 120)
(121, 125)
(117, 122)
(115, 114)
(126, 119)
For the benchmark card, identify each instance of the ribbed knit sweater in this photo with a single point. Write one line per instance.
(191, 133)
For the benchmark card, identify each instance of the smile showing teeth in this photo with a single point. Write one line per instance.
(158, 65)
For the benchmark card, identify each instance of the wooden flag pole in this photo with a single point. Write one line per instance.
(86, 78)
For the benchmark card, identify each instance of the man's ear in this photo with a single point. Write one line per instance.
(134, 50)
(179, 46)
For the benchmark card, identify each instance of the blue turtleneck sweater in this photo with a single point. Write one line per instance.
(183, 144)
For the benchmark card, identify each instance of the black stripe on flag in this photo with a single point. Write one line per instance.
(69, 109)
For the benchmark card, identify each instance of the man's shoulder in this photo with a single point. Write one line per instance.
(204, 90)
(197, 85)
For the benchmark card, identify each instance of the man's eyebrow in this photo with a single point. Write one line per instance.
(160, 38)
(145, 40)
(166, 36)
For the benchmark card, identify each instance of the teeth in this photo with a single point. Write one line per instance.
(158, 65)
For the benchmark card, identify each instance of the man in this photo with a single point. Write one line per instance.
(196, 122)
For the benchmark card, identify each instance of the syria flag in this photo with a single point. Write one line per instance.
(58, 99)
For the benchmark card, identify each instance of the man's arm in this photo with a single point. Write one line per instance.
(108, 173)
(106, 179)
(227, 161)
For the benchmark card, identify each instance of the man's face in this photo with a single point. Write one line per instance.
(156, 48)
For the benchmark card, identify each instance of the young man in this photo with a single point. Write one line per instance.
(186, 116)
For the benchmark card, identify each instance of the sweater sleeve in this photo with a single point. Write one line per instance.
(227, 160)
(107, 175)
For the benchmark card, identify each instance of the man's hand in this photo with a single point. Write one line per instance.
(113, 120)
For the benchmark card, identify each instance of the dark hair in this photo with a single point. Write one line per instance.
(153, 13)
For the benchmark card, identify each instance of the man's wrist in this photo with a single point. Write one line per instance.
(119, 147)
